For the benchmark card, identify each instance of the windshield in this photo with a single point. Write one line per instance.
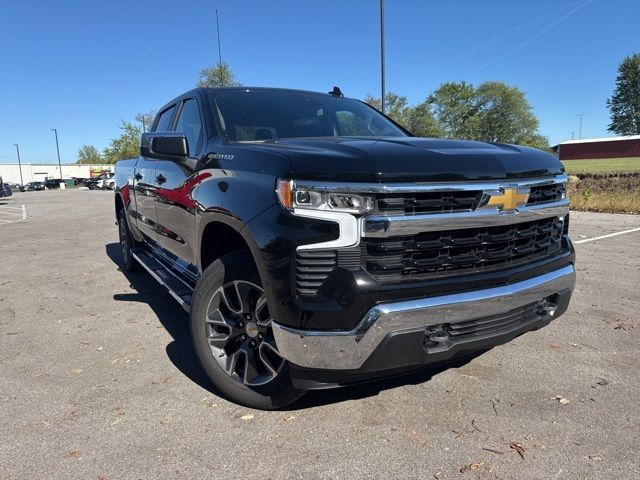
(249, 116)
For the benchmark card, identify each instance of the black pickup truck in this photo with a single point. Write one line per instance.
(316, 243)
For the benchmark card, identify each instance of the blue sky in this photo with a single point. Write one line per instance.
(82, 67)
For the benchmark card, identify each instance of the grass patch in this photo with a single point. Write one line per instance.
(603, 165)
(614, 193)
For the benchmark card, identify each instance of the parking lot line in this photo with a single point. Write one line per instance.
(21, 212)
(608, 235)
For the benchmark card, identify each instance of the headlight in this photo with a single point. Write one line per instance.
(294, 197)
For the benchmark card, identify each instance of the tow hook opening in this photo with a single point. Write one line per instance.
(436, 335)
(442, 336)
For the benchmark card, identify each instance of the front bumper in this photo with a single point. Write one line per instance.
(440, 326)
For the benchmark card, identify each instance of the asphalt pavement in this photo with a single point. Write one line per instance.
(99, 380)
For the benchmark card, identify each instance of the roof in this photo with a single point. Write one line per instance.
(603, 139)
(248, 89)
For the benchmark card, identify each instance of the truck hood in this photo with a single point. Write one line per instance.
(411, 159)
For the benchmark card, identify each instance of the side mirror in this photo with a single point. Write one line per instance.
(164, 145)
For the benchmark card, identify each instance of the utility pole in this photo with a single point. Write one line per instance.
(58, 150)
(580, 115)
(19, 162)
(382, 101)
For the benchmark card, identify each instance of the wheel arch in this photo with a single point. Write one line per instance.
(221, 234)
(119, 204)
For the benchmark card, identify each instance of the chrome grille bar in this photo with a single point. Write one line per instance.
(391, 226)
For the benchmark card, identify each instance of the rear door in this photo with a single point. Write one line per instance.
(174, 185)
(145, 182)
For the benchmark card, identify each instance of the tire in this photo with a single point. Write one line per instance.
(213, 323)
(129, 264)
(92, 186)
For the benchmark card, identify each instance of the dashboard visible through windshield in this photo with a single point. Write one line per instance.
(250, 116)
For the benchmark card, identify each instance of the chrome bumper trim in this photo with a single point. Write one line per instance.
(346, 350)
(389, 226)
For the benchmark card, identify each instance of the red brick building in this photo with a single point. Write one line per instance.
(611, 147)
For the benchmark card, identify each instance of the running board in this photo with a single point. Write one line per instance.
(177, 288)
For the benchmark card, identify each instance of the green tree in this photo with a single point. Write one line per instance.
(493, 112)
(218, 76)
(126, 145)
(505, 116)
(395, 106)
(624, 104)
(455, 108)
(421, 122)
(88, 154)
(146, 119)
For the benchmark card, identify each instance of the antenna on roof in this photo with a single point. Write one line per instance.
(219, 50)
(336, 92)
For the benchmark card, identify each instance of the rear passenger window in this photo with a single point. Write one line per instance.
(164, 122)
(189, 124)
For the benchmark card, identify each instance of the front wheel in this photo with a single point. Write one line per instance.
(232, 335)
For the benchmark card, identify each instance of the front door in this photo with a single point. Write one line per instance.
(145, 184)
(175, 182)
(145, 206)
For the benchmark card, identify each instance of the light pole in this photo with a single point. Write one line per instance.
(580, 115)
(58, 150)
(19, 163)
(382, 102)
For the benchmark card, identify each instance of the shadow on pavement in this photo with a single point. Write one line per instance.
(180, 351)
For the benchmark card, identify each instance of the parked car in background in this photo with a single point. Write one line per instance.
(79, 181)
(5, 189)
(110, 182)
(32, 186)
(97, 183)
(52, 183)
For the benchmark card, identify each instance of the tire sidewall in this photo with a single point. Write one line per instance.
(129, 263)
(277, 393)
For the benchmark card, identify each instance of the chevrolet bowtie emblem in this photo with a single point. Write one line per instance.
(510, 200)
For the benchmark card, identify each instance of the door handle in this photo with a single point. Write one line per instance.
(160, 179)
(138, 176)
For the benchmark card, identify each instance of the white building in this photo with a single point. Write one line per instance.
(32, 172)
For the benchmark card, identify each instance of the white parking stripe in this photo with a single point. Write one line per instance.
(607, 236)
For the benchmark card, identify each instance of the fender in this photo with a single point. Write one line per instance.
(211, 216)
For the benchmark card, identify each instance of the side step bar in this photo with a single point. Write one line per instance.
(178, 289)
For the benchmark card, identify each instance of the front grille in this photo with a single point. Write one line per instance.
(547, 193)
(312, 269)
(429, 254)
(415, 203)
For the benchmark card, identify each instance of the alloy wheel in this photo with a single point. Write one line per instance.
(239, 333)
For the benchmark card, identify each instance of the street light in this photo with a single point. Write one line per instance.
(19, 163)
(58, 150)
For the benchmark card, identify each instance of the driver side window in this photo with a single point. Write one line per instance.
(189, 123)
